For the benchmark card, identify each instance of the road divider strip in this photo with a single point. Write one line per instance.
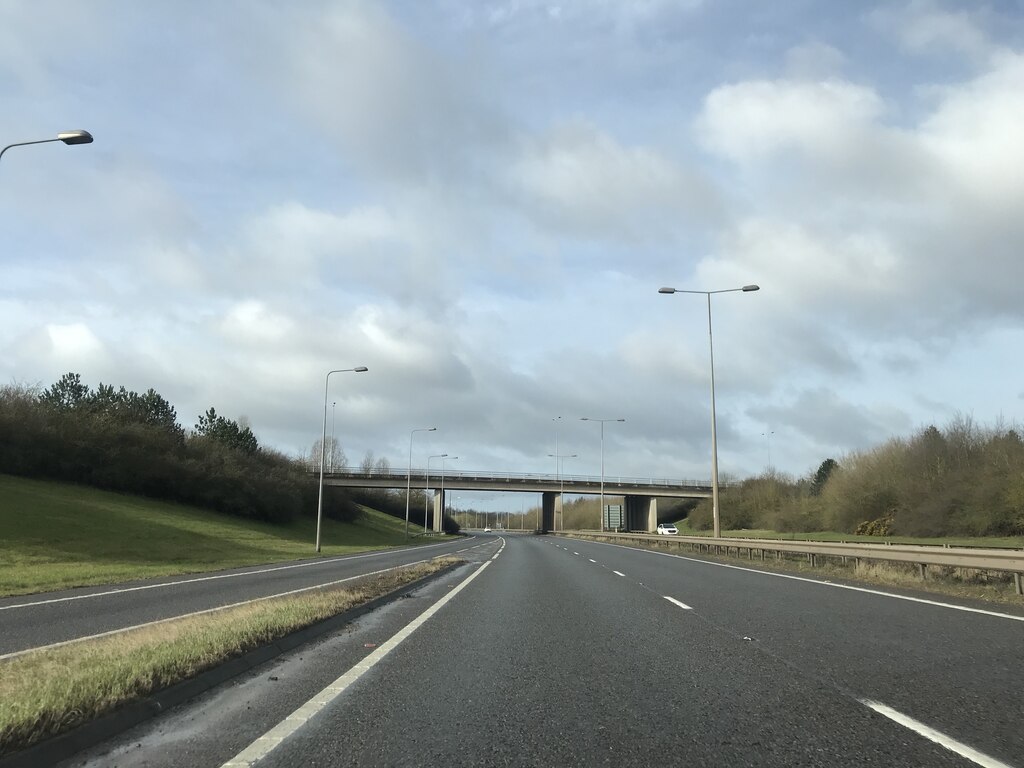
(270, 740)
(300, 590)
(979, 758)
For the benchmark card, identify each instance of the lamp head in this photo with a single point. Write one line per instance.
(75, 137)
(666, 290)
(748, 288)
(361, 369)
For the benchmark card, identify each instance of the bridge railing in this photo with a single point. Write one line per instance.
(511, 477)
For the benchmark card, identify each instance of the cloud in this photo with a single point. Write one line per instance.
(751, 120)
(395, 104)
(831, 423)
(923, 26)
(579, 180)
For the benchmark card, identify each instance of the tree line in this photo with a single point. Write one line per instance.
(961, 480)
(131, 442)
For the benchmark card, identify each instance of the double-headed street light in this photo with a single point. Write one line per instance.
(602, 422)
(68, 137)
(323, 441)
(714, 430)
(426, 488)
(408, 478)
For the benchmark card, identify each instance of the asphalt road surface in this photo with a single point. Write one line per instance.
(33, 621)
(547, 651)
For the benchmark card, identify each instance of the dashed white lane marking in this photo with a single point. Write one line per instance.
(980, 758)
(575, 553)
(273, 738)
(821, 583)
(166, 584)
(591, 559)
(684, 606)
(617, 573)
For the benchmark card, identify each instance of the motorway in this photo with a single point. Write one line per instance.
(34, 621)
(548, 651)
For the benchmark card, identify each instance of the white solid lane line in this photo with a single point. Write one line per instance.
(617, 573)
(980, 758)
(684, 606)
(272, 738)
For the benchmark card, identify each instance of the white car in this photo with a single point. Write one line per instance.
(487, 530)
(667, 529)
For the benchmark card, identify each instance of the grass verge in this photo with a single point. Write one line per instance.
(47, 692)
(990, 586)
(58, 535)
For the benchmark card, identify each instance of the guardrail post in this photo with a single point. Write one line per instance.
(1018, 582)
(922, 571)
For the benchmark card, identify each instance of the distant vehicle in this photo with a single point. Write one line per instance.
(667, 528)
(487, 530)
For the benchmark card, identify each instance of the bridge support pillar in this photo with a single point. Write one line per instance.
(641, 513)
(547, 508)
(438, 511)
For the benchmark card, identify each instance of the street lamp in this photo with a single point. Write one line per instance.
(408, 477)
(323, 440)
(440, 522)
(426, 487)
(561, 481)
(768, 437)
(68, 137)
(714, 429)
(602, 422)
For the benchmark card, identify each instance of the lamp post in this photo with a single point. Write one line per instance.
(441, 521)
(426, 488)
(333, 422)
(556, 420)
(559, 466)
(714, 429)
(602, 423)
(408, 477)
(768, 437)
(68, 137)
(323, 440)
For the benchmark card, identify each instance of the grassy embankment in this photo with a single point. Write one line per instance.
(56, 536)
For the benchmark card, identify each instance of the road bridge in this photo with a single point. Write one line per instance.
(641, 494)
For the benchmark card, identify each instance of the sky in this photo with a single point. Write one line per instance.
(480, 200)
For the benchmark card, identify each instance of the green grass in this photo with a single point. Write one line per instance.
(46, 692)
(953, 541)
(57, 535)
